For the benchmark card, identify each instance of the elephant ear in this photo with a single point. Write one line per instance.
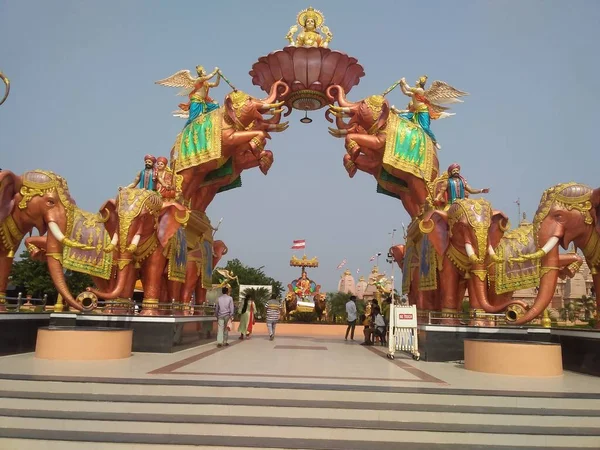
(10, 184)
(499, 224)
(436, 228)
(172, 217)
(109, 214)
(383, 117)
(229, 109)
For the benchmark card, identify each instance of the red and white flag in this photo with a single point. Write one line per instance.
(298, 244)
(342, 264)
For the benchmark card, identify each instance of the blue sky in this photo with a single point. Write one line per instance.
(84, 104)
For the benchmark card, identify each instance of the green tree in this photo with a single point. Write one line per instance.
(260, 296)
(248, 275)
(78, 281)
(32, 277)
(336, 305)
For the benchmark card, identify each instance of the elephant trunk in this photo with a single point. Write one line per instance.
(7, 87)
(481, 294)
(546, 291)
(122, 278)
(279, 89)
(336, 93)
(53, 247)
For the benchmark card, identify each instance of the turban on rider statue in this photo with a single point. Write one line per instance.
(162, 159)
(150, 157)
(451, 167)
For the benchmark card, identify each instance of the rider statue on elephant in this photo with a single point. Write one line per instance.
(452, 186)
(425, 105)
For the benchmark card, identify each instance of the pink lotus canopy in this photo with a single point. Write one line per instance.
(309, 71)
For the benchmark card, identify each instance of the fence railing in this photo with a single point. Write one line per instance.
(25, 305)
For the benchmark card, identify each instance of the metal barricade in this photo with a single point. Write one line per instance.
(403, 335)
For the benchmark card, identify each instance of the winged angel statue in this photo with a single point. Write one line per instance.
(426, 105)
(197, 90)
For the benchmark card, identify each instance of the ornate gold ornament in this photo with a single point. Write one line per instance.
(310, 37)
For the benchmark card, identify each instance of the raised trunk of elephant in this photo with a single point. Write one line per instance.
(56, 272)
(337, 93)
(274, 91)
(6, 87)
(547, 287)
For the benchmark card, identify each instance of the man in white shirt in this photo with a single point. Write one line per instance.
(224, 310)
(351, 317)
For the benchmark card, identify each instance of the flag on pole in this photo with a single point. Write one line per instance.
(298, 244)
(342, 264)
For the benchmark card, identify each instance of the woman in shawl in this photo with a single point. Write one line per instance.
(246, 317)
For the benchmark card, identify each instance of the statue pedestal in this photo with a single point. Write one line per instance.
(83, 344)
(527, 359)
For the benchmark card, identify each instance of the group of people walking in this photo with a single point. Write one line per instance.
(225, 311)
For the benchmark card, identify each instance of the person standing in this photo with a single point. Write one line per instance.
(246, 317)
(224, 311)
(273, 313)
(351, 316)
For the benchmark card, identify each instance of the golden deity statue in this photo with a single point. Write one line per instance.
(311, 21)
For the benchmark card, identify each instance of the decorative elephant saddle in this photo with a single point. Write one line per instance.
(199, 142)
(408, 149)
(88, 228)
(513, 276)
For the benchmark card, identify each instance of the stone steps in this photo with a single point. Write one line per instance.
(157, 413)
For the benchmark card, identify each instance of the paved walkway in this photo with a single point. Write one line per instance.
(293, 392)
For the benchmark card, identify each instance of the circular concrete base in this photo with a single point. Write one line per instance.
(522, 358)
(83, 344)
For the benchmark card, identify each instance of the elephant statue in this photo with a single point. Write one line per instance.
(419, 281)
(148, 234)
(505, 275)
(567, 213)
(41, 199)
(6, 81)
(196, 277)
(239, 127)
(461, 237)
(395, 151)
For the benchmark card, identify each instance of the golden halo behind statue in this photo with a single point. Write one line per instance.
(310, 13)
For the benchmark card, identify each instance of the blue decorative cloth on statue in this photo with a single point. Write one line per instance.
(201, 107)
(422, 119)
(456, 189)
(147, 179)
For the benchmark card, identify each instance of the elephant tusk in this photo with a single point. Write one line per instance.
(60, 237)
(110, 247)
(548, 246)
(493, 255)
(471, 253)
(276, 105)
(340, 109)
(134, 243)
(55, 230)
